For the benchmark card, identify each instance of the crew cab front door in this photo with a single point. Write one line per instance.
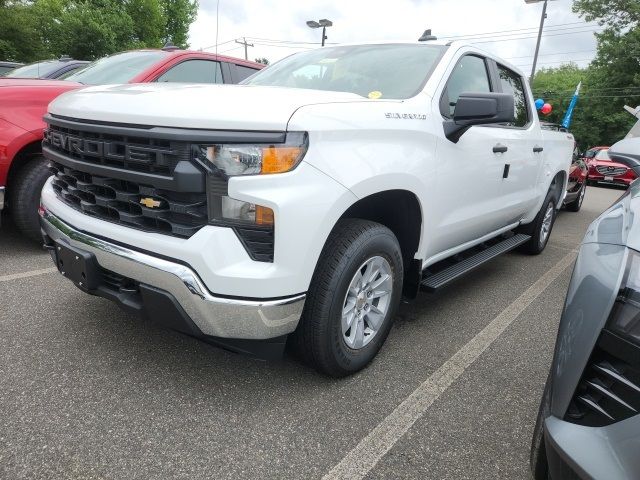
(469, 172)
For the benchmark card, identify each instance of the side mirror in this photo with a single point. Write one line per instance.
(479, 109)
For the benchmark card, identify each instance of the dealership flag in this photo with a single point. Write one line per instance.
(568, 117)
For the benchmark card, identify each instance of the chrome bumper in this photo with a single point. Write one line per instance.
(215, 316)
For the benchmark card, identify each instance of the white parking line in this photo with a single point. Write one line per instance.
(361, 460)
(32, 273)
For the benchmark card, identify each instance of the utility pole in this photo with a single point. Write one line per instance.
(542, 19)
(244, 42)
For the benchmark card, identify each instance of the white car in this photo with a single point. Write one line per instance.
(306, 202)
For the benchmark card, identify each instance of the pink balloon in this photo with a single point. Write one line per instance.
(546, 109)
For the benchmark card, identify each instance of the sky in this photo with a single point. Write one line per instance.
(277, 28)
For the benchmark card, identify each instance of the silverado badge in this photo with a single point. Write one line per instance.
(150, 202)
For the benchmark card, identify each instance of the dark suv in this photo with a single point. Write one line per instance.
(47, 69)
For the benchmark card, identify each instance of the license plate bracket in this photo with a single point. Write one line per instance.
(77, 265)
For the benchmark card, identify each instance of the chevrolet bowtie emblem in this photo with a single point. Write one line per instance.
(150, 202)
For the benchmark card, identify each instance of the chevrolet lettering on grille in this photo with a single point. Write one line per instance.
(107, 150)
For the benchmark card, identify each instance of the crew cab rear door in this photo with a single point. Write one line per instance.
(523, 139)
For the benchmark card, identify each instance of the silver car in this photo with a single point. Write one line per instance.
(589, 420)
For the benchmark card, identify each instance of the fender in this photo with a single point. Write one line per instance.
(13, 140)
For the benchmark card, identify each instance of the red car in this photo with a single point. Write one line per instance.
(589, 154)
(23, 103)
(603, 170)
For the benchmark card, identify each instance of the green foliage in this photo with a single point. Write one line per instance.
(179, 14)
(610, 82)
(88, 29)
(262, 60)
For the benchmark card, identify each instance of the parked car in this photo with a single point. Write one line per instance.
(588, 425)
(6, 67)
(577, 184)
(589, 154)
(603, 170)
(47, 69)
(306, 201)
(23, 102)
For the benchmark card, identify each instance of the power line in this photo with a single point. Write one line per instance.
(533, 36)
(521, 31)
(551, 54)
(558, 61)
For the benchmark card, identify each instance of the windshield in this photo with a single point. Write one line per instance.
(603, 155)
(35, 70)
(395, 71)
(119, 68)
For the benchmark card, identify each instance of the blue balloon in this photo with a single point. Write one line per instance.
(539, 103)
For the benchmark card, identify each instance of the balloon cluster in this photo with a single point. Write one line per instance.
(543, 107)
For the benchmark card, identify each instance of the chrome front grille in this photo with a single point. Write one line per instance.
(611, 171)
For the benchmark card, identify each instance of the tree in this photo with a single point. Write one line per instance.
(179, 15)
(614, 75)
(88, 29)
(262, 60)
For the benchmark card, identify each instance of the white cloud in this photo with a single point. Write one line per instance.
(362, 20)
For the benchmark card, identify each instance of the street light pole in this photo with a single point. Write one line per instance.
(535, 57)
(324, 23)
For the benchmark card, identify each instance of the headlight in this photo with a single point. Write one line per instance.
(254, 159)
(254, 224)
(625, 316)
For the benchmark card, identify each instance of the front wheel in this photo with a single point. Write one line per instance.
(352, 299)
(540, 228)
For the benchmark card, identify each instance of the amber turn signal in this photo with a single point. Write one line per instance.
(279, 159)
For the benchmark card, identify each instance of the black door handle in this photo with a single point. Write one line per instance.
(537, 149)
(500, 149)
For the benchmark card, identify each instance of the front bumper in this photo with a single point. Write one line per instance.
(212, 315)
(599, 178)
(578, 452)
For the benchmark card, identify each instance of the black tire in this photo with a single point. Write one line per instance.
(538, 457)
(319, 337)
(538, 242)
(577, 203)
(24, 196)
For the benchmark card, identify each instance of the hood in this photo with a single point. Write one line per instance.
(23, 101)
(225, 107)
(620, 223)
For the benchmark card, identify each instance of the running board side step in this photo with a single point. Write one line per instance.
(434, 281)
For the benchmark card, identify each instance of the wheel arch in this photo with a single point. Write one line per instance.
(559, 186)
(21, 157)
(400, 211)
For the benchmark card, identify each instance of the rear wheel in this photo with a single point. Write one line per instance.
(352, 299)
(577, 203)
(24, 196)
(540, 228)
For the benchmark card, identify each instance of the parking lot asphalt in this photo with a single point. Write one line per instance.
(90, 392)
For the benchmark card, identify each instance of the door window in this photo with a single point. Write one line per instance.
(243, 72)
(512, 83)
(194, 71)
(469, 75)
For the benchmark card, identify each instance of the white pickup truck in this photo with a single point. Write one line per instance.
(304, 204)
